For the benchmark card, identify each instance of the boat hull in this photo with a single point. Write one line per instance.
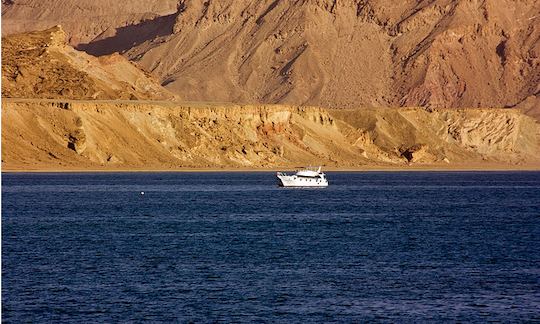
(295, 181)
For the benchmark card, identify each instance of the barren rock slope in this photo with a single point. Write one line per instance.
(41, 65)
(347, 53)
(352, 53)
(48, 134)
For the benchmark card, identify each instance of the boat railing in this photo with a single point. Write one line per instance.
(310, 168)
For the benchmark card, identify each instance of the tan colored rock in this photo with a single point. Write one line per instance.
(346, 54)
(83, 20)
(340, 54)
(43, 134)
(42, 65)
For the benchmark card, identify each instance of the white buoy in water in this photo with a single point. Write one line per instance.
(142, 192)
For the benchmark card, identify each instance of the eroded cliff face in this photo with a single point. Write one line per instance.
(149, 135)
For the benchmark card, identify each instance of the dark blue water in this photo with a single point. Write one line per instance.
(208, 247)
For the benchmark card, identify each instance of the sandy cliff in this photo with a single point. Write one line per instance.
(45, 134)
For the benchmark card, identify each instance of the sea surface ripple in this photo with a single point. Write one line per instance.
(233, 247)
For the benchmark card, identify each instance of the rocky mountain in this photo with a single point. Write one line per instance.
(457, 59)
(41, 65)
(346, 53)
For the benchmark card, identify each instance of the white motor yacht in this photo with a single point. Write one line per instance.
(307, 177)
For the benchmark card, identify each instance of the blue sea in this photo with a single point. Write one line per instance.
(234, 247)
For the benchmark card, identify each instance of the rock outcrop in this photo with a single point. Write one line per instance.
(42, 65)
(83, 20)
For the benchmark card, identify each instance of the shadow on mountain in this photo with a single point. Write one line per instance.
(129, 36)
